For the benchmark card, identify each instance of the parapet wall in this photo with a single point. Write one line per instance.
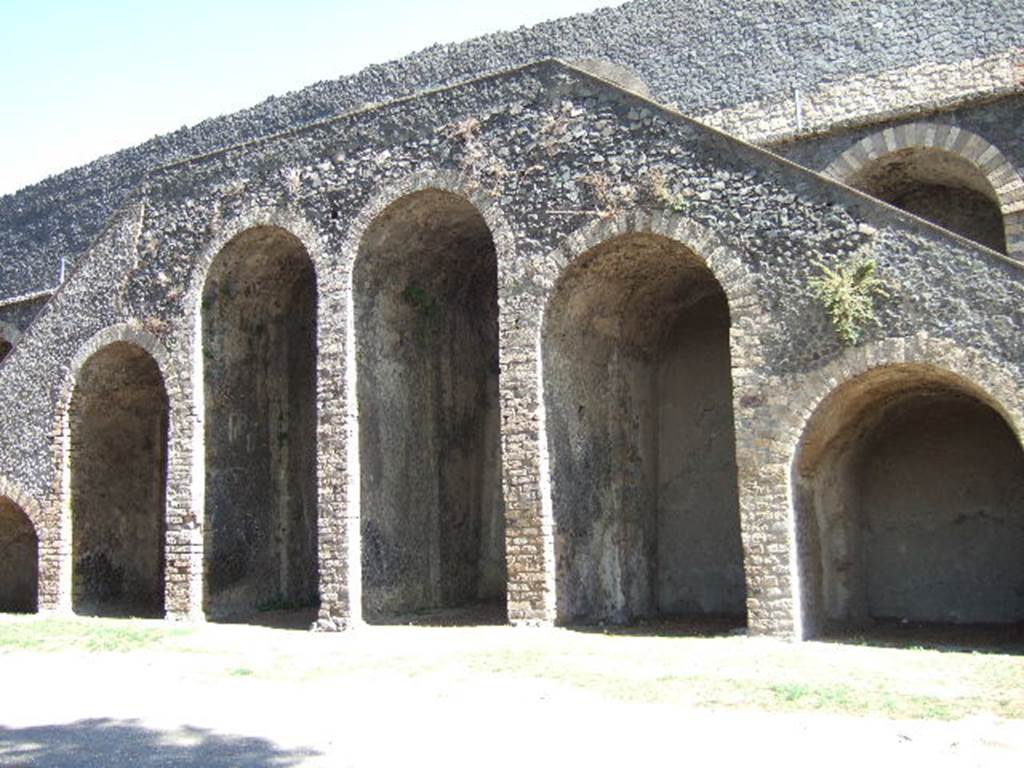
(727, 61)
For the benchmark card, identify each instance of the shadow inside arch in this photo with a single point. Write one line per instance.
(906, 489)
(274, 617)
(1002, 639)
(108, 742)
(699, 626)
(474, 614)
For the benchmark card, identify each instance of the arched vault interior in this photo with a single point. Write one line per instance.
(118, 462)
(939, 186)
(259, 372)
(638, 399)
(19, 560)
(909, 493)
(432, 517)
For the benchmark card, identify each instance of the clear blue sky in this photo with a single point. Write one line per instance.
(83, 78)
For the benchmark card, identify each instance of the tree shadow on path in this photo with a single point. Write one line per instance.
(108, 743)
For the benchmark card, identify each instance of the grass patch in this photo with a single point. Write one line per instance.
(739, 673)
(707, 672)
(86, 634)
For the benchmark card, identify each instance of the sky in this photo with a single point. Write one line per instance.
(83, 78)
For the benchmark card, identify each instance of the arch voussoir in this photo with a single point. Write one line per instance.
(886, 393)
(1001, 179)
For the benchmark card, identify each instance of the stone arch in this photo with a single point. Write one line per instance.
(908, 463)
(31, 508)
(291, 221)
(730, 272)
(426, 179)
(20, 523)
(115, 474)
(286, 219)
(254, 353)
(945, 174)
(424, 342)
(129, 332)
(57, 569)
(636, 300)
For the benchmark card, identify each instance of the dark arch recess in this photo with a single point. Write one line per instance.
(638, 397)
(432, 516)
(118, 461)
(909, 494)
(259, 346)
(940, 186)
(19, 560)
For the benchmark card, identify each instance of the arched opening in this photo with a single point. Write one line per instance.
(259, 382)
(638, 398)
(909, 494)
(19, 560)
(940, 186)
(118, 462)
(432, 516)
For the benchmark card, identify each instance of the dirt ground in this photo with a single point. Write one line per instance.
(231, 695)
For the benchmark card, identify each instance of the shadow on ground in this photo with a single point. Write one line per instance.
(670, 626)
(471, 615)
(954, 638)
(285, 618)
(107, 743)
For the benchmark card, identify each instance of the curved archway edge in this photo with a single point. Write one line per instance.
(531, 554)
(31, 508)
(975, 373)
(56, 567)
(1005, 180)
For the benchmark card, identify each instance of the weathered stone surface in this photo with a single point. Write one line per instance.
(638, 401)
(426, 306)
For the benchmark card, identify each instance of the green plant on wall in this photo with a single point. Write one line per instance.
(848, 292)
(663, 193)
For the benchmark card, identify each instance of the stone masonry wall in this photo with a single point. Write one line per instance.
(556, 162)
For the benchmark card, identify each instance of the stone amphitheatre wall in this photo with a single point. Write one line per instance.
(535, 341)
(738, 64)
(586, 249)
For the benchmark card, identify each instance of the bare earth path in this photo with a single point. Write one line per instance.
(246, 696)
